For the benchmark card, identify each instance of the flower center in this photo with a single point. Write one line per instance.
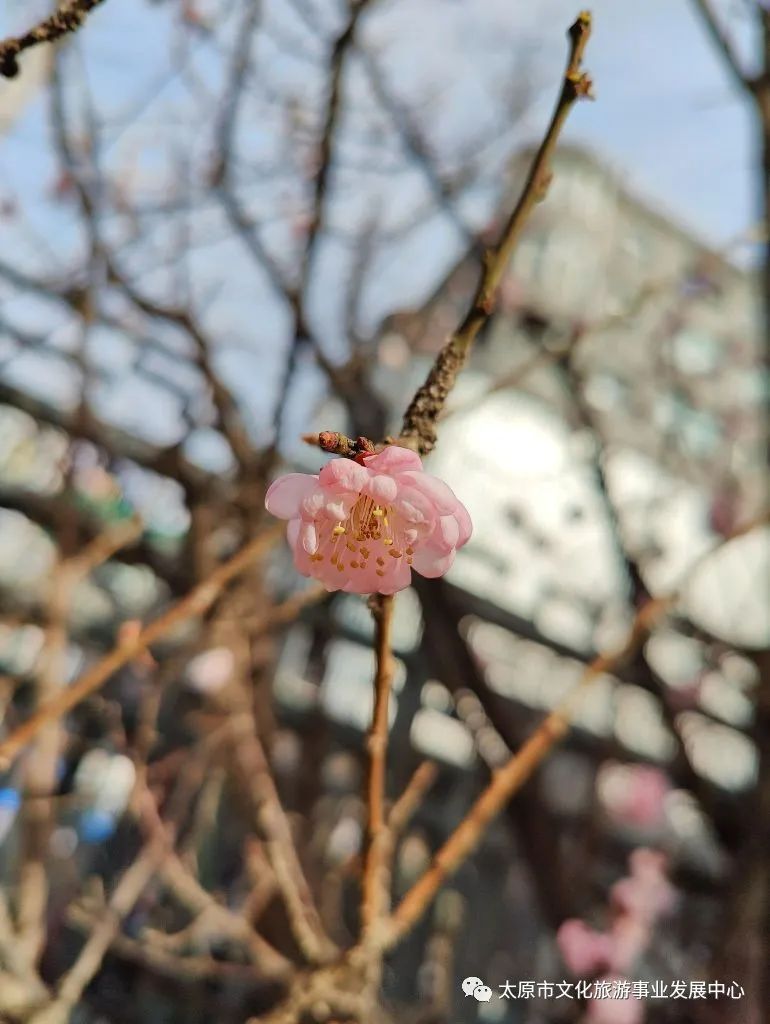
(372, 534)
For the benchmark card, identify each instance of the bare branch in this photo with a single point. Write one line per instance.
(375, 881)
(722, 42)
(69, 18)
(195, 603)
(419, 426)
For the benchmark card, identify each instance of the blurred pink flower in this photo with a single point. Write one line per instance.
(647, 790)
(648, 864)
(584, 950)
(634, 794)
(646, 893)
(614, 1011)
(363, 526)
(637, 903)
(630, 936)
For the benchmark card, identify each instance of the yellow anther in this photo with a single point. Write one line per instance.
(339, 529)
(377, 512)
(388, 541)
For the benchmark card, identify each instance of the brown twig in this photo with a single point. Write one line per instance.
(375, 880)
(342, 45)
(104, 930)
(419, 425)
(195, 603)
(190, 969)
(40, 769)
(273, 826)
(208, 911)
(401, 812)
(69, 18)
(108, 921)
(414, 792)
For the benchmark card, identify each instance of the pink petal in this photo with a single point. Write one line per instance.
(447, 533)
(340, 506)
(382, 488)
(440, 494)
(292, 532)
(584, 950)
(312, 505)
(363, 581)
(464, 523)
(411, 535)
(301, 557)
(397, 580)
(414, 506)
(430, 562)
(328, 574)
(394, 459)
(309, 537)
(397, 576)
(285, 495)
(343, 475)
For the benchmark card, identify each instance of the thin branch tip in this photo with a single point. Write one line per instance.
(67, 19)
(419, 424)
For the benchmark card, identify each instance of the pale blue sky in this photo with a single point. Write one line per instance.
(667, 114)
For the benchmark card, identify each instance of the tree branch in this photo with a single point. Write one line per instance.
(375, 874)
(67, 19)
(723, 43)
(195, 603)
(419, 426)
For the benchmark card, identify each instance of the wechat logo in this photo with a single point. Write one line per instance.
(475, 987)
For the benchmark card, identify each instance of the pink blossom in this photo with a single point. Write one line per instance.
(363, 527)
(630, 936)
(646, 893)
(614, 1011)
(584, 950)
(638, 795)
(647, 864)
